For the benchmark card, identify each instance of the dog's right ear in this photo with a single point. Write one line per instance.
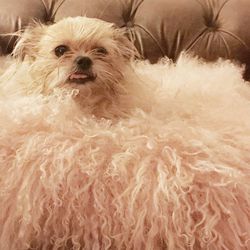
(27, 44)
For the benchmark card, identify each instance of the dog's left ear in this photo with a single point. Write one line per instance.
(27, 44)
(125, 46)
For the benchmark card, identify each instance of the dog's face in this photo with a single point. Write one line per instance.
(76, 52)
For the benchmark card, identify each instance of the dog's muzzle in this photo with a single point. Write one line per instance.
(83, 72)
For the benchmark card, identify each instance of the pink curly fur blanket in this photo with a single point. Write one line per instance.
(176, 177)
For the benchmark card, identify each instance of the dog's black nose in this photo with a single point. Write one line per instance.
(83, 62)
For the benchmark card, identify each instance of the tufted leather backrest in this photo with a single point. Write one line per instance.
(207, 28)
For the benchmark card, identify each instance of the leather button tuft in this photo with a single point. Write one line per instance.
(212, 25)
(212, 28)
(129, 24)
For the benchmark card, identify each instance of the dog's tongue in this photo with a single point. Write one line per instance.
(78, 76)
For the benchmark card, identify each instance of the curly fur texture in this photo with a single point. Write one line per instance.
(174, 174)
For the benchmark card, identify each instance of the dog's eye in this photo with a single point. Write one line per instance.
(101, 50)
(60, 50)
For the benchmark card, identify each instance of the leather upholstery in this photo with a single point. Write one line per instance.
(207, 28)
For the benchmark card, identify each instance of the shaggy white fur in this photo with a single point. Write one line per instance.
(173, 175)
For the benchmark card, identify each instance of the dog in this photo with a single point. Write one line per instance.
(102, 151)
(87, 55)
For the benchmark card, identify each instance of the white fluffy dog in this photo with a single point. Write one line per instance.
(87, 55)
(98, 151)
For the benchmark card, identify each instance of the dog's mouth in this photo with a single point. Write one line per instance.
(81, 77)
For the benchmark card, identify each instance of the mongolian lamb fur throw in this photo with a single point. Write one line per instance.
(174, 177)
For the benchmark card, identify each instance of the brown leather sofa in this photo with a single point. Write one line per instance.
(207, 28)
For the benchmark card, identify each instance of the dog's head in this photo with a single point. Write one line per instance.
(75, 52)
